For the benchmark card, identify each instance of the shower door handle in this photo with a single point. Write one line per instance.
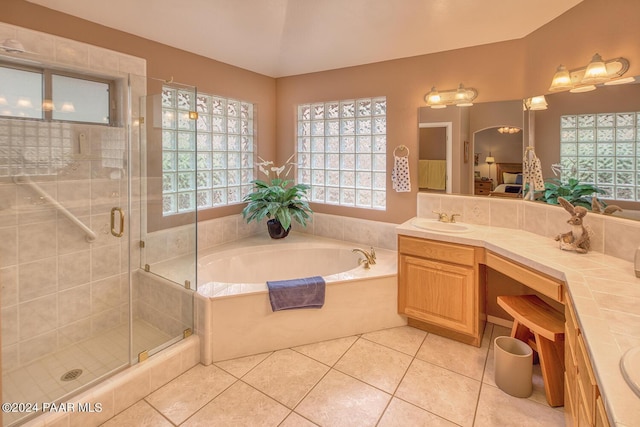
(113, 222)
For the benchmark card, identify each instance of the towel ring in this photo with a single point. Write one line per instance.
(401, 147)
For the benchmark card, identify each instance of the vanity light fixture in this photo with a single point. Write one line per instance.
(584, 79)
(536, 103)
(461, 97)
(433, 99)
(509, 129)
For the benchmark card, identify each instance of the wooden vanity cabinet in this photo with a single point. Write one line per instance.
(439, 288)
(583, 402)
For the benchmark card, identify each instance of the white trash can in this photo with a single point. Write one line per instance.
(513, 366)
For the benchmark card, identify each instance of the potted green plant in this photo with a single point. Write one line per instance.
(277, 199)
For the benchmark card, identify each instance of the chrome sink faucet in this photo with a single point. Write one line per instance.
(369, 257)
(443, 217)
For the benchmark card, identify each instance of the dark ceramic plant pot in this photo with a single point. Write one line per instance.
(275, 229)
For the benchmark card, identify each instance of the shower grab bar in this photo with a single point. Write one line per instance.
(25, 180)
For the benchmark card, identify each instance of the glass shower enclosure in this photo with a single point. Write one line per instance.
(76, 305)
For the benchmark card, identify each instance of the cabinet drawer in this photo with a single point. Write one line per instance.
(537, 281)
(571, 326)
(586, 379)
(457, 254)
(570, 363)
(483, 184)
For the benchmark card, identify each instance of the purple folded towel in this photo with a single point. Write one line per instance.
(307, 292)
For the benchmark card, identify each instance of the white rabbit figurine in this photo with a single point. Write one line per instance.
(578, 239)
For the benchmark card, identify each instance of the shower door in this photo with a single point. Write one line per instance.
(165, 283)
(65, 204)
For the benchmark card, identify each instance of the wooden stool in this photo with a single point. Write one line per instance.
(542, 327)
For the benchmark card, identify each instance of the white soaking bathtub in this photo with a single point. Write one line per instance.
(233, 313)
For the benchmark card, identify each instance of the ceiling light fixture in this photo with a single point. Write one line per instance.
(584, 79)
(461, 97)
(509, 129)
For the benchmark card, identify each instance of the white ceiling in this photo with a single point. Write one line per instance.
(288, 37)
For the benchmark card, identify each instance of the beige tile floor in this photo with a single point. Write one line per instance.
(394, 377)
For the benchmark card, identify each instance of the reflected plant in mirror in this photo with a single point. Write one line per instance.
(572, 191)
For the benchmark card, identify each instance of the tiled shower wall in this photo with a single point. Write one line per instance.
(57, 288)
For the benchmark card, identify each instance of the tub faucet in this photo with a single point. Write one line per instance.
(369, 257)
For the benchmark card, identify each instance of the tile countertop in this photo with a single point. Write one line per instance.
(604, 290)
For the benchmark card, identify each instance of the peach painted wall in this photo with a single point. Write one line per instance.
(500, 71)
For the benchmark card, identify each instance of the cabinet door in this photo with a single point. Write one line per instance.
(437, 293)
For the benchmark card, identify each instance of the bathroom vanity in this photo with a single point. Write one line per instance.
(439, 288)
(442, 288)
(583, 404)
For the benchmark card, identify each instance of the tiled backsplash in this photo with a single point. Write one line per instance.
(613, 236)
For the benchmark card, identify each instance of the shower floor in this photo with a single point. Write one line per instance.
(40, 381)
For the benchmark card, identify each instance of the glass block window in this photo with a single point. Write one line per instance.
(207, 161)
(601, 149)
(341, 147)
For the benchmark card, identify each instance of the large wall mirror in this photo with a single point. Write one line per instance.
(459, 141)
(595, 137)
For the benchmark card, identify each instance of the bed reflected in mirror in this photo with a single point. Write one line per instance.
(508, 180)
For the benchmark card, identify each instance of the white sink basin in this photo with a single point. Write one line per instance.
(442, 227)
(630, 367)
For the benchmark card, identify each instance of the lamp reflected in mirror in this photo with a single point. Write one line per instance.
(536, 103)
(490, 160)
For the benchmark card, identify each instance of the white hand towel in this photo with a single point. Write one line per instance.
(400, 179)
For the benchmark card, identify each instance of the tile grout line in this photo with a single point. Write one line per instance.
(484, 370)
(393, 395)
